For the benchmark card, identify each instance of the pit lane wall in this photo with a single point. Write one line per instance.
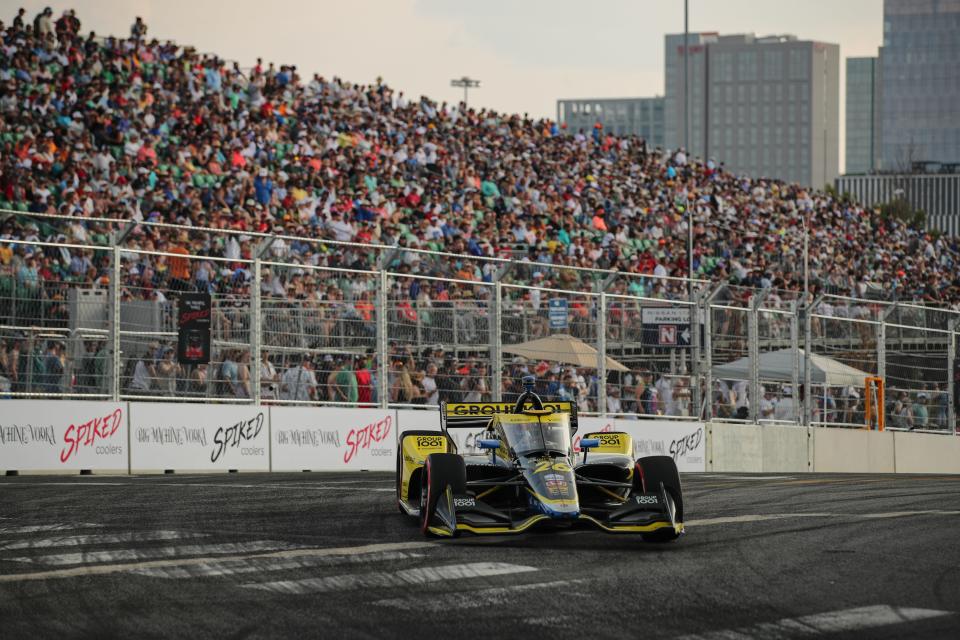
(153, 437)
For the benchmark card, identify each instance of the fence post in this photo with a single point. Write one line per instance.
(383, 367)
(602, 355)
(694, 379)
(951, 363)
(496, 342)
(115, 324)
(795, 368)
(753, 352)
(807, 362)
(256, 325)
(708, 350)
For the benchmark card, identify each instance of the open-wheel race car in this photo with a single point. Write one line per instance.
(519, 470)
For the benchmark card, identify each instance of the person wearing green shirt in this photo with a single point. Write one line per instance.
(345, 383)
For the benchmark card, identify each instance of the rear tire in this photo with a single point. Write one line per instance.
(440, 470)
(654, 471)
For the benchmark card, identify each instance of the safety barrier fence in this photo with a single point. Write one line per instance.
(293, 318)
(74, 436)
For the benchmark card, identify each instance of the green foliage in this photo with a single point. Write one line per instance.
(902, 210)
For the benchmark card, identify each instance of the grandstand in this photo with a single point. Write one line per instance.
(386, 249)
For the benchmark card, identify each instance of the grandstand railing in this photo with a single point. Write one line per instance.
(86, 320)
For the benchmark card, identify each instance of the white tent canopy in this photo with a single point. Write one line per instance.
(777, 366)
(564, 348)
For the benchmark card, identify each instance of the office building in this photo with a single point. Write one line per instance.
(936, 193)
(622, 116)
(920, 83)
(764, 106)
(863, 114)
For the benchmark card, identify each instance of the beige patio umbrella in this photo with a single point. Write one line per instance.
(564, 348)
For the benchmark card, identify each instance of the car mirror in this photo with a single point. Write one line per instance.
(589, 443)
(488, 444)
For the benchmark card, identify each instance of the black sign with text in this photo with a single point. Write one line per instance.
(193, 329)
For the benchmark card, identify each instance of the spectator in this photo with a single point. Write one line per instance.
(138, 30)
(168, 372)
(342, 383)
(299, 382)
(430, 388)
(921, 413)
(269, 378)
(141, 382)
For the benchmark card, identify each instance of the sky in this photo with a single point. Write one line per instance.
(526, 53)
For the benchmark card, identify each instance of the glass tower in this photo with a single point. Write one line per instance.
(920, 83)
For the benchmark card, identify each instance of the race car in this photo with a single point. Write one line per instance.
(504, 468)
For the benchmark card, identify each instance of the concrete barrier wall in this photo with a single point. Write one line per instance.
(852, 451)
(734, 447)
(781, 449)
(785, 449)
(926, 453)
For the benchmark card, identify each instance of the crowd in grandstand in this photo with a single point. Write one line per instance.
(146, 130)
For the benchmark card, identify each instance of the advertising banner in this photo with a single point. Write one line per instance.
(193, 328)
(685, 442)
(198, 437)
(65, 435)
(329, 439)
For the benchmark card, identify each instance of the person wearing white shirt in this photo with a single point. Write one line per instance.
(298, 383)
(665, 390)
(268, 378)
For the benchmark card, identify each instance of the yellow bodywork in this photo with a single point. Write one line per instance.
(612, 442)
(414, 451)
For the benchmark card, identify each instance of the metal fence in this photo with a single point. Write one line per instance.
(390, 326)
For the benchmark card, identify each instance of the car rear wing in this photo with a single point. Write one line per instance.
(476, 415)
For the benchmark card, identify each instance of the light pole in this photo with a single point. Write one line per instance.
(686, 76)
(686, 137)
(467, 83)
(806, 254)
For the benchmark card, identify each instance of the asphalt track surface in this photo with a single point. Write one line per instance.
(328, 555)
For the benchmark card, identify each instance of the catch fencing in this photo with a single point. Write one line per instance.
(290, 326)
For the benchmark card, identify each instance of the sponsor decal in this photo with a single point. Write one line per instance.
(686, 444)
(89, 433)
(491, 408)
(309, 438)
(556, 484)
(430, 442)
(365, 438)
(236, 435)
(647, 500)
(609, 440)
(467, 501)
(28, 434)
(576, 439)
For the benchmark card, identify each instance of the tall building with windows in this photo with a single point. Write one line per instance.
(863, 114)
(623, 116)
(920, 76)
(764, 106)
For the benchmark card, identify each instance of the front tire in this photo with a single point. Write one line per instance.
(440, 470)
(654, 471)
(409, 498)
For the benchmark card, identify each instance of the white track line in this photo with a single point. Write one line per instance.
(782, 516)
(403, 578)
(706, 522)
(263, 565)
(39, 528)
(204, 485)
(106, 569)
(100, 538)
(489, 597)
(146, 553)
(844, 621)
